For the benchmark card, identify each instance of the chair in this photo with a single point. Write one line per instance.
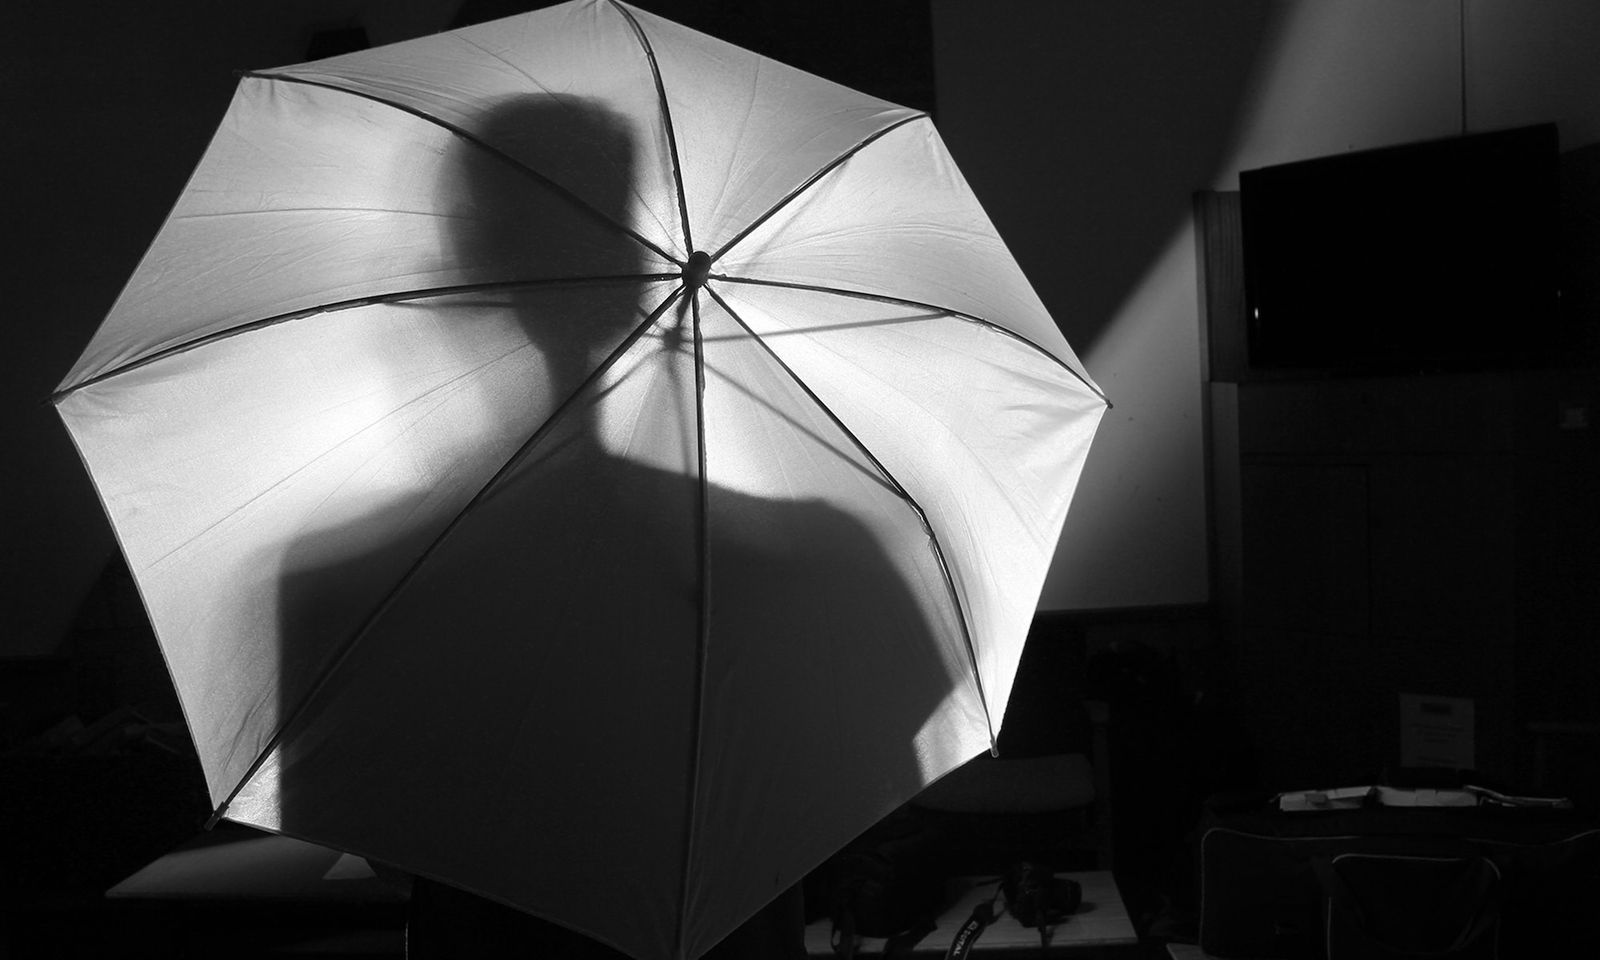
(1046, 797)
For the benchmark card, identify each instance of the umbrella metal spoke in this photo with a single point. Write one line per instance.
(483, 494)
(904, 494)
(555, 96)
(803, 429)
(826, 169)
(666, 120)
(933, 307)
(766, 404)
(399, 296)
(698, 695)
(833, 327)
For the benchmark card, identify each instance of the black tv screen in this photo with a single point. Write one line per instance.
(1426, 257)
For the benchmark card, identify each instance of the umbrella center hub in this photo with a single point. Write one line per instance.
(696, 270)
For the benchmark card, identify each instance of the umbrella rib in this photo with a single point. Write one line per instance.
(382, 607)
(469, 137)
(826, 169)
(899, 489)
(703, 555)
(399, 296)
(935, 308)
(666, 120)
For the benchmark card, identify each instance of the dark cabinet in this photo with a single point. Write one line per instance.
(1434, 533)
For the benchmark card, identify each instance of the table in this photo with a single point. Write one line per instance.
(236, 891)
(1100, 927)
(235, 863)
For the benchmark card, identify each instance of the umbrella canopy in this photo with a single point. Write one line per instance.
(573, 455)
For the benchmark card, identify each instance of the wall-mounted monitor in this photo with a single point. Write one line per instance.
(1433, 256)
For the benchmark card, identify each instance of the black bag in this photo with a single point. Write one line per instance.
(887, 884)
(1387, 907)
(1268, 887)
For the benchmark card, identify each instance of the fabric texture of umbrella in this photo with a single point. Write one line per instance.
(572, 453)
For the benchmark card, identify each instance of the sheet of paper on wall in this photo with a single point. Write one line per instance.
(1437, 732)
(1353, 798)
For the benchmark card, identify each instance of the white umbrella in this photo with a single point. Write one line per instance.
(574, 454)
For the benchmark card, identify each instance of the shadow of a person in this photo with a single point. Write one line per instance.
(604, 661)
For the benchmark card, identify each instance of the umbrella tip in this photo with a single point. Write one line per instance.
(696, 270)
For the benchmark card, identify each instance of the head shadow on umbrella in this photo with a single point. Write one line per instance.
(601, 644)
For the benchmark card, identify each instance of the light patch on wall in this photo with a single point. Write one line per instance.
(1150, 435)
(1349, 76)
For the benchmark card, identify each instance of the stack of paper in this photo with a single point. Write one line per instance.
(1351, 798)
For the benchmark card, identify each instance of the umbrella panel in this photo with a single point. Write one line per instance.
(898, 220)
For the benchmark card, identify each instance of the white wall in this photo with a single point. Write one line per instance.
(1085, 126)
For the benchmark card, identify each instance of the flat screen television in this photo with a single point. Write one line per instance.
(1433, 256)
